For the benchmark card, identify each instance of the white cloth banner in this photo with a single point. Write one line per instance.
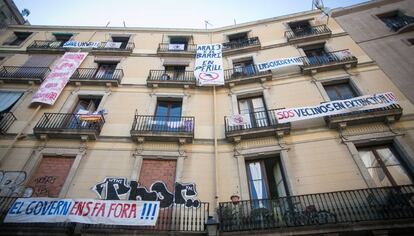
(76, 44)
(113, 45)
(209, 65)
(270, 65)
(336, 107)
(54, 83)
(176, 47)
(238, 119)
(87, 211)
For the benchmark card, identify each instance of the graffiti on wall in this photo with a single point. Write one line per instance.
(11, 183)
(41, 185)
(113, 188)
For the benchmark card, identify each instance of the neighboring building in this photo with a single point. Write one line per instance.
(10, 14)
(342, 174)
(384, 29)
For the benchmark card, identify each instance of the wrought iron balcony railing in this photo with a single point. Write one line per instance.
(245, 73)
(93, 74)
(166, 48)
(353, 206)
(16, 73)
(128, 47)
(372, 115)
(329, 59)
(177, 218)
(254, 41)
(69, 125)
(174, 218)
(43, 45)
(256, 120)
(171, 77)
(307, 32)
(163, 127)
(6, 120)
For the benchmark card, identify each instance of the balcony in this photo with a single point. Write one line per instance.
(68, 125)
(322, 211)
(124, 49)
(162, 78)
(46, 46)
(308, 34)
(248, 74)
(165, 49)
(258, 124)
(386, 114)
(328, 61)
(241, 46)
(92, 76)
(19, 74)
(175, 220)
(163, 128)
(6, 120)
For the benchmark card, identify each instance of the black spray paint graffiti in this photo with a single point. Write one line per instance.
(118, 188)
(11, 183)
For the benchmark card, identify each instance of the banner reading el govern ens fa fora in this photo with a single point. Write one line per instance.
(208, 68)
(336, 107)
(88, 211)
(54, 83)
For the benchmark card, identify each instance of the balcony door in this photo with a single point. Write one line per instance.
(105, 71)
(244, 67)
(168, 116)
(255, 108)
(123, 40)
(266, 179)
(174, 72)
(83, 106)
(301, 28)
(317, 54)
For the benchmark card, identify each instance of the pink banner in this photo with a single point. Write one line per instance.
(54, 83)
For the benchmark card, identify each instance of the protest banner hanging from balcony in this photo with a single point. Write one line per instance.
(361, 103)
(87, 211)
(54, 83)
(208, 68)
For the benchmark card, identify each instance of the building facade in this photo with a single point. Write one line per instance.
(384, 30)
(10, 14)
(161, 137)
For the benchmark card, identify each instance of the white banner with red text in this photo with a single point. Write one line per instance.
(54, 83)
(208, 68)
(87, 211)
(336, 107)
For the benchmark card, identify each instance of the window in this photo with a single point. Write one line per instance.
(105, 70)
(266, 179)
(384, 166)
(62, 37)
(255, 108)
(316, 54)
(168, 116)
(123, 40)
(340, 91)
(178, 43)
(301, 28)
(173, 73)
(237, 37)
(243, 67)
(87, 105)
(396, 20)
(19, 37)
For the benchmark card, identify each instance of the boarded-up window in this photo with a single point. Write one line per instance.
(158, 170)
(50, 176)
